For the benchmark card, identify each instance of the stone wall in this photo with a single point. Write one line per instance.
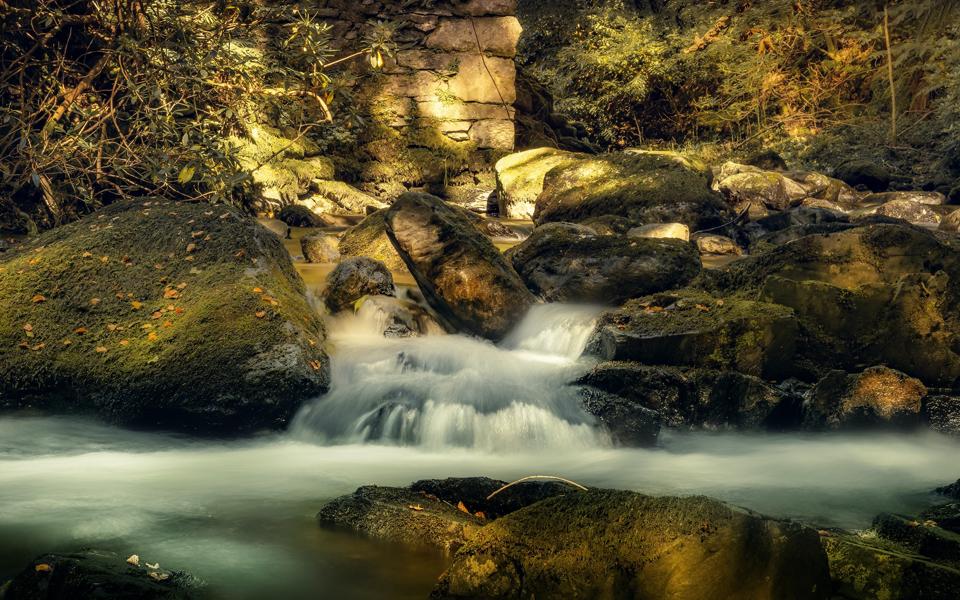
(454, 67)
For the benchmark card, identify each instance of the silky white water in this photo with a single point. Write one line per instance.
(240, 514)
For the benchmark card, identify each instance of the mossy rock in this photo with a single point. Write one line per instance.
(688, 328)
(605, 544)
(162, 315)
(520, 178)
(642, 187)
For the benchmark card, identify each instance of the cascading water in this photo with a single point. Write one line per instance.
(452, 390)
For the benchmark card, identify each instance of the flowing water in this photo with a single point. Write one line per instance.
(240, 514)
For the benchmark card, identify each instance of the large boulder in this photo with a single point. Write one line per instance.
(873, 294)
(93, 574)
(461, 273)
(691, 398)
(474, 493)
(520, 178)
(628, 423)
(692, 329)
(565, 262)
(608, 544)
(160, 314)
(641, 187)
(864, 174)
(761, 192)
(877, 396)
(355, 278)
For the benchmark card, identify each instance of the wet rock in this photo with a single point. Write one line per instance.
(608, 224)
(629, 423)
(460, 272)
(761, 191)
(863, 569)
(641, 187)
(160, 315)
(401, 516)
(708, 243)
(675, 231)
(945, 516)
(873, 294)
(93, 574)
(276, 226)
(320, 248)
(473, 492)
(950, 222)
(686, 398)
(397, 318)
(820, 188)
(520, 178)
(862, 173)
(781, 237)
(565, 262)
(924, 538)
(799, 217)
(877, 396)
(693, 329)
(942, 413)
(950, 491)
(609, 544)
(355, 278)
(910, 211)
(296, 215)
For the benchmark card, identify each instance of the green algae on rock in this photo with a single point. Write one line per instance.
(158, 314)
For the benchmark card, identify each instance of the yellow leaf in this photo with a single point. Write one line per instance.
(257, 290)
(152, 336)
(136, 305)
(415, 507)
(94, 301)
(38, 299)
(43, 568)
(101, 349)
(261, 314)
(359, 303)
(463, 507)
(186, 174)
(124, 342)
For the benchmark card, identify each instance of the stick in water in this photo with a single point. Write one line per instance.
(530, 477)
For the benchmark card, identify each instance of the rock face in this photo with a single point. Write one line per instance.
(608, 544)
(320, 248)
(629, 423)
(355, 278)
(874, 294)
(520, 178)
(877, 396)
(565, 262)
(401, 516)
(160, 314)
(460, 272)
(697, 330)
(691, 398)
(642, 187)
(98, 574)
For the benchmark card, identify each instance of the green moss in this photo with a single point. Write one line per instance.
(136, 327)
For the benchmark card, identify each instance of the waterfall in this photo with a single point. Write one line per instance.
(457, 391)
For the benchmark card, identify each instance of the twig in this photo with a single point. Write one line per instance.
(893, 88)
(530, 477)
(73, 94)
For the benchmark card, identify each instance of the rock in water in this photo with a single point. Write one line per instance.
(320, 248)
(461, 273)
(642, 187)
(608, 544)
(566, 262)
(355, 278)
(877, 396)
(160, 314)
(96, 574)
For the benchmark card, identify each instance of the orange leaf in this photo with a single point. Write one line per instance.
(104, 259)
(261, 314)
(463, 507)
(171, 294)
(124, 342)
(480, 514)
(94, 301)
(87, 254)
(80, 330)
(38, 299)
(43, 568)
(257, 290)
(157, 315)
(28, 327)
(152, 336)
(39, 346)
(111, 327)
(191, 247)
(136, 305)
(167, 324)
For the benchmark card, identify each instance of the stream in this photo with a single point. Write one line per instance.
(240, 514)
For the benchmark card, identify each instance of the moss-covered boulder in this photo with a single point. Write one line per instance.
(874, 294)
(694, 398)
(160, 314)
(520, 178)
(566, 262)
(609, 544)
(91, 574)
(339, 198)
(642, 187)
(761, 192)
(461, 273)
(687, 328)
(877, 396)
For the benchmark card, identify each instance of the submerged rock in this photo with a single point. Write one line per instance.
(160, 315)
(97, 574)
(693, 329)
(520, 178)
(461, 273)
(641, 187)
(320, 248)
(877, 396)
(355, 278)
(608, 544)
(565, 262)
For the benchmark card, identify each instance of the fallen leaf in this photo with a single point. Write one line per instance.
(480, 514)
(152, 336)
(182, 285)
(39, 346)
(191, 247)
(67, 342)
(146, 326)
(119, 296)
(171, 294)
(134, 560)
(94, 301)
(415, 507)
(157, 576)
(261, 314)
(80, 330)
(463, 507)
(124, 342)
(101, 349)
(157, 315)
(158, 267)
(168, 324)
(87, 254)
(257, 290)
(38, 299)
(28, 327)
(43, 568)
(104, 259)
(178, 310)
(111, 327)
(703, 308)
(240, 253)
(316, 365)
(136, 305)
(198, 234)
